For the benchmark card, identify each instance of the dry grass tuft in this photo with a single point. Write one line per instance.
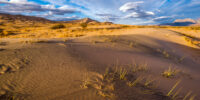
(140, 67)
(171, 91)
(170, 73)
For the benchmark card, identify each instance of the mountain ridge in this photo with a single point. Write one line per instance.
(184, 22)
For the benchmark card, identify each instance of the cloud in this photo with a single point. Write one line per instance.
(16, 2)
(63, 18)
(108, 17)
(23, 6)
(140, 14)
(131, 6)
(163, 18)
(135, 11)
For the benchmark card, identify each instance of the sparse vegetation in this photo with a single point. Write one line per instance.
(164, 53)
(58, 26)
(106, 85)
(187, 95)
(4, 33)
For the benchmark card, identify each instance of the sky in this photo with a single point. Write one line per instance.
(133, 12)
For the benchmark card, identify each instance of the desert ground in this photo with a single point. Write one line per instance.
(100, 61)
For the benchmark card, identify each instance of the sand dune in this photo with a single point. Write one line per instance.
(76, 69)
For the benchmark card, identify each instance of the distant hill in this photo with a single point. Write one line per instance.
(23, 18)
(85, 20)
(108, 23)
(184, 22)
(9, 18)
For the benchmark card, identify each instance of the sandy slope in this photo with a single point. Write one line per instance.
(56, 70)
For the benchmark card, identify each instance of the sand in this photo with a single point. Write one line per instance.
(74, 69)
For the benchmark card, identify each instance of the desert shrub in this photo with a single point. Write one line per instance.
(195, 28)
(124, 26)
(1, 30)
(58, 26)
(83, 25)
(2, 24)
(5, 33)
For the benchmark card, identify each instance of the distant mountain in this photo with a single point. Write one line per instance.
(85, 20)
(184, 22)
(9, 17)
(23, 18)
(108, 23)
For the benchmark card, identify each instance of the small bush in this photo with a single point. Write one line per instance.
(58, 26)
(84, 25)
(5, 33)
(124, 26)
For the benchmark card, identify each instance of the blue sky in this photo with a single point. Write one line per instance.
(135, 12)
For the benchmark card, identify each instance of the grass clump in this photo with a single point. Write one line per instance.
(164, 53)
(149, 82)
(58, 26)
(169, 73)
(135, 82)
(131, 44)
(140, 68)
(170, 93)
(122, 74)
(84, 25)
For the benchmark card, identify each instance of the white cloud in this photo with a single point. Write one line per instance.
(134, 10)
(3, 0)
(48, 6)
(63, 18)
(18, 1)
(108, 17)
(140, 14)
(150, 13)
(130, 6)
